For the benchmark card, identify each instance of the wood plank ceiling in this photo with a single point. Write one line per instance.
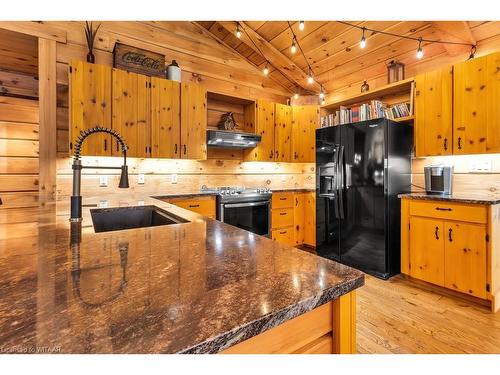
(332, 48)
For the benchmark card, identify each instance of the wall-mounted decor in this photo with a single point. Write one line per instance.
(90, 35)
(365, 87)
(395, 71)
(174, 72)
(227, 122)
(138, 60)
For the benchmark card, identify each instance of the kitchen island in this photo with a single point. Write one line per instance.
(195, 287)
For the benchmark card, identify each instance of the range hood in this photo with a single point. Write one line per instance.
(230, 139)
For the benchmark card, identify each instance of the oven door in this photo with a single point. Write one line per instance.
(251, 216)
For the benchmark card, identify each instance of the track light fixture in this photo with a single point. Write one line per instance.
(420, 51)
(293, 48)
(310, 79)
(301, 25)
(362, 42)
(322, 93)
(238, 31)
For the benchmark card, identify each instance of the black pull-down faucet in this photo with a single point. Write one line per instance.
(76, 198)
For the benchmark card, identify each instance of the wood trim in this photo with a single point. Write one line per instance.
(48, 111)
(405, 236)
(493, 259)
(36, 28)
(344, 324)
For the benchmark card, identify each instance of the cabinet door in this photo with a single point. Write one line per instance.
(427, 250)
(476, 94)
(265, 128)
(305, 120)
(310, 219)
(465, 258)
(433, 112)
(193, 122)
(312, 123)
(130, 109)
(299, 217)
(283, 132)
(90, 106)
(166, 118)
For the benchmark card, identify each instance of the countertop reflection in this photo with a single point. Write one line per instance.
(196, 287)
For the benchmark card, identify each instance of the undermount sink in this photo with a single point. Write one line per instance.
(120, 218)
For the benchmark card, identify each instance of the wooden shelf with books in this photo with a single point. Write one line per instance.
(393, 101)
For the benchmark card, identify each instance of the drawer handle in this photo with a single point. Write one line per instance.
(443, 209)
(284, 232)
(194, 205)
(436, 233)
(446, 144)
(450, 237)
(282, 213)
(283, 199)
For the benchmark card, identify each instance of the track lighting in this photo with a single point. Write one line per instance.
(322, 94)
(323, 101)
(420, 51)
(266, 69)
(238, 31)
(301, 25)
(293, 48)
(310, 79)
(296, 95)
(362, 42)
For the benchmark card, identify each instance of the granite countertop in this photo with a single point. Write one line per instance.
(197, 287)
(210, 193)
(459, 198)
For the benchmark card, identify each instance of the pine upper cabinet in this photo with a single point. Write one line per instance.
(90, 106)
(283, 133)
(465, 252)
(433, 113)
(131, 113)
(476, 109)
(193, 122)
(264, 127)
(165, 118)
(305, 120)
(427, 249)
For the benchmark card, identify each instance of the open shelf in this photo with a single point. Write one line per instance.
(393, 89)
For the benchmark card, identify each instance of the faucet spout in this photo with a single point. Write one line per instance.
(76, 197)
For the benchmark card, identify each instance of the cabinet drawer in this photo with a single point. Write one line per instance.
(282, 218)
(282, 200)
(202, 205)
(284, 236)
(449, 211)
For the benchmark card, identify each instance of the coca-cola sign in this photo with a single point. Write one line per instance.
(138, 60)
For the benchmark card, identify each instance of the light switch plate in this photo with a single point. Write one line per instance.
(173, 178)
(103, 181)
(103, 204)
(140, 179)
(481, 166)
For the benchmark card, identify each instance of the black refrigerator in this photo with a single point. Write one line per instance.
(360, 170)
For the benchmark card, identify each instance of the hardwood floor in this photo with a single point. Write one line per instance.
(401, 316)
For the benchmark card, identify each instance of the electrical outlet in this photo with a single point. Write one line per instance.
(103, 181)
(140, 179)
(173, 178)
(140, 203)
(481, 166)
(283, 178)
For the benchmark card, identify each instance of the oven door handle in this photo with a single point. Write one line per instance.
(249, 204)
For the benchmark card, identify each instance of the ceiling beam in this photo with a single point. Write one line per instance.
(204, 30)
(455, 31)
(273, 55)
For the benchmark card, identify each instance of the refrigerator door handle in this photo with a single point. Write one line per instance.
(340, 186)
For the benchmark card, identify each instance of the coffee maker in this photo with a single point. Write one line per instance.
(439, 179)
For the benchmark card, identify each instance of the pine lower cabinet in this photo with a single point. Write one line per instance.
(201, 205)
(293, 218)
(453, 245)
